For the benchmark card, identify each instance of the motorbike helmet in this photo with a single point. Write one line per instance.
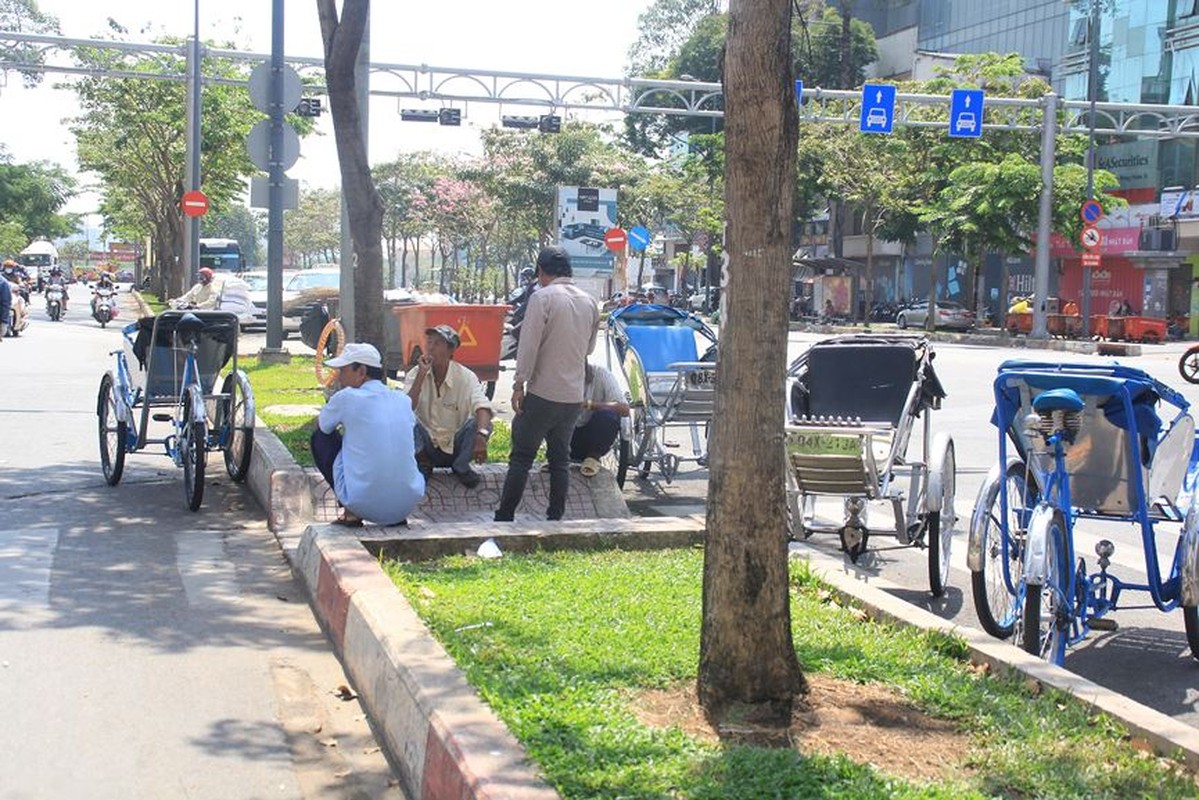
(206, 275)
(56, 271)
(527, 275)
(8, 262)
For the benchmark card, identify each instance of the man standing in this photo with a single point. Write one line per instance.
(558, 333)
(371, 465)
(452, 411)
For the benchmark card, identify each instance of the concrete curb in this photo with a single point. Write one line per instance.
(447, 742)
(1167, 735)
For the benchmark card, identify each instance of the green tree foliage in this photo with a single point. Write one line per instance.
(237, 222)
(312, 230)
(12, 239)
(32, 196)
(25, 16)
(817, 45)
(131, 132)
(406, 189)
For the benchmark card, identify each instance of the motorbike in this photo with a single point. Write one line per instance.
(519, 300)
(104, 306)
(1188, 364)
(54, 300)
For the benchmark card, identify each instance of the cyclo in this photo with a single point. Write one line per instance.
(179, 357)
(1082, 442)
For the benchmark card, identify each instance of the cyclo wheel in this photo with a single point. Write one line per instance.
(1188, 365)
(1190, 617)
(193, 445)
(334, 330)
(1043, 633)
(939, 534)
(112, 432)
(994, 603)
(240, 430)
(620, 454)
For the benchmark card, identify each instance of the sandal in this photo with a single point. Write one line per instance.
(348, 520)
(590, 468)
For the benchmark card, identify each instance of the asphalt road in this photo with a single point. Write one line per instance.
(1147, 658)
(147, 651)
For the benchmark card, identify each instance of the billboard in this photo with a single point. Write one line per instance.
(583, 216)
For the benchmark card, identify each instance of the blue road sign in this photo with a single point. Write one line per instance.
(639, 238)
(966, 113)
(878, 108)
(799, 93)
(1091, 212)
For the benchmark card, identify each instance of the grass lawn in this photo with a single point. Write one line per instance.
(568, 648)
(294, 384)
(156, 305)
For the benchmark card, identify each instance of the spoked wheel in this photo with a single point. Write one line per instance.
(112, 432)
(1188, 365)
(618, 460)
(1044, 619)
(994, 602)
(640, 444)
(1190, 616)
(193, 447)
(237, 425)
(941, 520)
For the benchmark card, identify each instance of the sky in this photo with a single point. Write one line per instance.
(557, 37)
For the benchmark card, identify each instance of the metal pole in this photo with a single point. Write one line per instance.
(362, 70)
(1045, 215)
(1092, 96)
(274, 242)
(191, 225)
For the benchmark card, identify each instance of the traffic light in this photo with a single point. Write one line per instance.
(449, 116)
(513, 121)
(550, 123)
(420, 114)
(309, 107)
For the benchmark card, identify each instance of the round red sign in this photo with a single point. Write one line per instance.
(194, 203)
(615, 238)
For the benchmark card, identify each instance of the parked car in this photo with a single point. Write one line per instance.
(704, 300)
(949, 315)
(256, 280)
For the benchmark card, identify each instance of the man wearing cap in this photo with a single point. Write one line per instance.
(452, 411)
(559, 332)
(371, 465)
(204, 295)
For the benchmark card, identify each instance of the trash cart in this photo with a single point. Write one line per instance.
(480, 329)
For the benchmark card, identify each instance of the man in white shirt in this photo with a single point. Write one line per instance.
(452, 411)
(371, 465)
(599, 423)
(206, 294)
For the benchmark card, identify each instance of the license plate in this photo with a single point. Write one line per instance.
(825, 444)
(702, 377)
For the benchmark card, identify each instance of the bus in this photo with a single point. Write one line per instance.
(222, 255)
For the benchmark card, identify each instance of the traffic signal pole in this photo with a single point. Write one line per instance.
(1040, 329)
(191, 225)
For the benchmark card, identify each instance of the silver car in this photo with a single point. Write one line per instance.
(949, 315)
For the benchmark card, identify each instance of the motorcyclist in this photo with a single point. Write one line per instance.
(58, 279)
(104, 283)
(204, 295)
(16, 274)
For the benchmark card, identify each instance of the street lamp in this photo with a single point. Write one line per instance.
(1092, 96)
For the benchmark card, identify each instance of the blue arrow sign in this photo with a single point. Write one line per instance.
(639, 238)
(878, 108)
(799, 93)
(966, 113)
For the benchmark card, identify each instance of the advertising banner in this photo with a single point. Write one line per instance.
(584, 215)
(1134, 163)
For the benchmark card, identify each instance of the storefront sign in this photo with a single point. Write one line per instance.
(1134, 163)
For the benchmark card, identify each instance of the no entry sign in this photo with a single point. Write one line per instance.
(195, 203)
(615, 238)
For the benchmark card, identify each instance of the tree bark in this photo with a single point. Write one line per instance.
(342, 38)
(748, 670)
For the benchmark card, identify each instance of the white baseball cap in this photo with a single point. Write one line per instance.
(356, 353)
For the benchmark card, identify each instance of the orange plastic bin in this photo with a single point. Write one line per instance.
(1018, 323)
(1144, 329)
(480, 329)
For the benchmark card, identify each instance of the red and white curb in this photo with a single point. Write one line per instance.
(445, 741)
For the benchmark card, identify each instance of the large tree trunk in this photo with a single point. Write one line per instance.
(748, 671)
(342, 40)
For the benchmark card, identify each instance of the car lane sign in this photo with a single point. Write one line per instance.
(878, 108)
(1091, 237)
(966, 113)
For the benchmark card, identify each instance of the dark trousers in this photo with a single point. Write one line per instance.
(464, 447)
(596, 437)
(540, 420)
(325, 447)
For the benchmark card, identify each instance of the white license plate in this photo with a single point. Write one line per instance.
(702, 377)
(825, 444)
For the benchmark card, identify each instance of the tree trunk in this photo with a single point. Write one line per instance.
(868, 289)
(930, 322)
(342, 40)
(748, 670)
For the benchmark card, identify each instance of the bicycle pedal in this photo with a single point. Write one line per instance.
(672, 444)
(161, 417)
(1103, 624)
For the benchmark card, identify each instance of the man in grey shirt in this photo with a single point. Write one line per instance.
(559, 331)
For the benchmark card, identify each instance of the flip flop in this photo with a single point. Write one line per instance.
(348, 522)
(590, 468)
